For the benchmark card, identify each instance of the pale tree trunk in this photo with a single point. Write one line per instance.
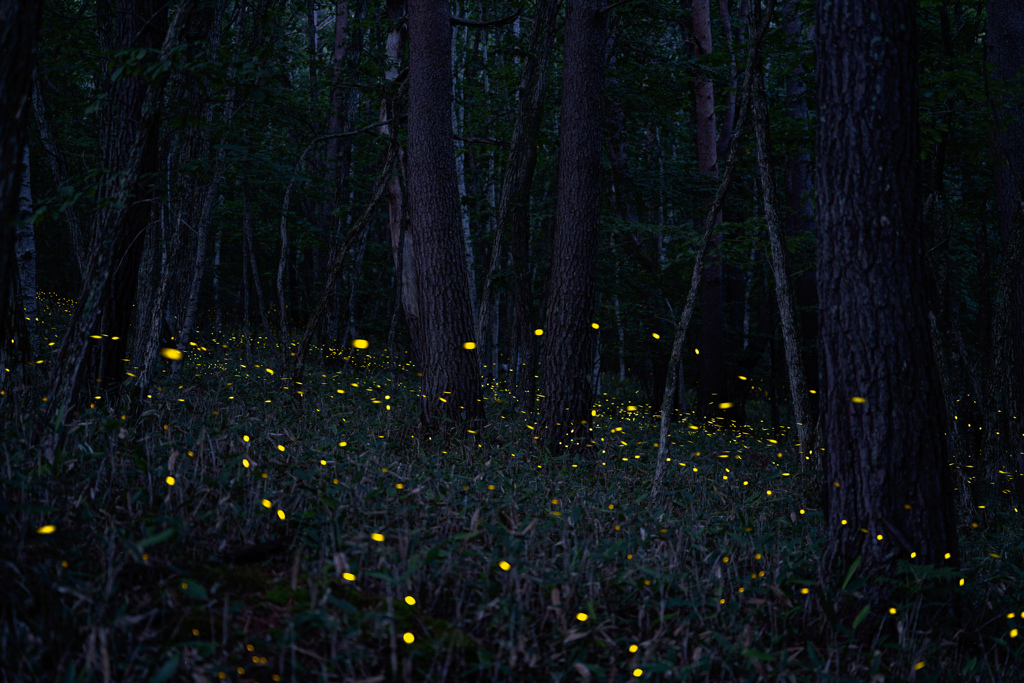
(218, 314)
(25, 250)
(780, 269)
(401, 238)
(729, 111)
(458, 118)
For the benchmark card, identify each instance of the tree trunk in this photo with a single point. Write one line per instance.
(712, 387)
(25, 248)
(19, 21)
(780, 269)
(451, 383)
(568, 393)
(888, 491)
(110, 231)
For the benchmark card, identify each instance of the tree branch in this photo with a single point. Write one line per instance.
(459, 21)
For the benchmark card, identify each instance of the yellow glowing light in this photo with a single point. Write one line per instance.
(892, 610)
(245, 438)
(469, 346)
(918, 666)
(408, 638)
(280, 447)
(725, 406)
(637, 673)
(377, 537)
(360, 343)
(269, 371)
(595, 326)
(170, 481)
(697, 351)
(633, 648)
(538, 332)
(280, 514)
(581, 616)
(245, 462)
(47, 529)
(505, 566)
(266, 503)
(172, 354)
(409, 600)
(631, 409)
(859, 399)
(343, 443)
(655, 335)
(348, 576)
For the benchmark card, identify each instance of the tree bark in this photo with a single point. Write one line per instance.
(451, 384)
(19, 21)
(780, 269)
(888, 491)
(568, 393)
(110, 231)
(25, 248)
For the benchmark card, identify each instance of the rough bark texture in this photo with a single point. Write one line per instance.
(451, 385)
(888, 491)
(780, 269)
(110, 230)
(19, 21)
(25, 246)
(568, 394)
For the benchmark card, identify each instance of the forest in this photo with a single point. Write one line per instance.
(567, 340)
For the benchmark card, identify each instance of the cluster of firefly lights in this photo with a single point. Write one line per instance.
(409, 638)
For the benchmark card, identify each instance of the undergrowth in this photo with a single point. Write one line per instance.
(224, 528)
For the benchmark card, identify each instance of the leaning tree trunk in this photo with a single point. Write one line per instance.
(451, 384)
(888, 491)
(110, 231)
(710, 221)
(568, 393)
(780, 269)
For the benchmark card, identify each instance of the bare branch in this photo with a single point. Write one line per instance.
(459, 21)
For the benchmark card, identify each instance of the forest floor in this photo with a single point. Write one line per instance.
(224, 529)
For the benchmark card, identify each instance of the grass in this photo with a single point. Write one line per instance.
(279, 554)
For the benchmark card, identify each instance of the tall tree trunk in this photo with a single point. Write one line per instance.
(712, 388)
(568, 393)
(19, 21)
(25, 248)
(451, 384)
(888, 491)
(797, 179)
(780, 269)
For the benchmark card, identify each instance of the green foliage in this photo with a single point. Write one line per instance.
(715, 578)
